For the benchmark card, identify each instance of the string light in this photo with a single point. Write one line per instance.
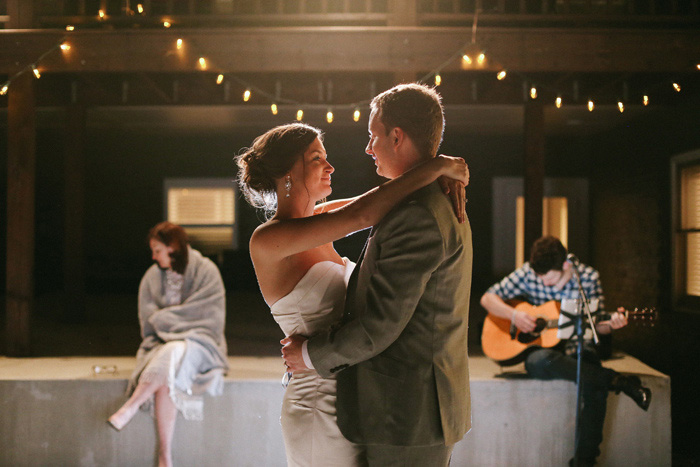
(466, 59)
(166, 24)
(139, 8)
(70, 28)
(101, 14)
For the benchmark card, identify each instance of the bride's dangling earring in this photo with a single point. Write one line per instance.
(288, 186)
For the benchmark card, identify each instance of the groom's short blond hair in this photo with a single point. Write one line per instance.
(417, 110)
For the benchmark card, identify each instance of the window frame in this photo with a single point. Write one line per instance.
(681, 300)
(204, 182)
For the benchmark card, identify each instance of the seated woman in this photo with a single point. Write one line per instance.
(182, 312)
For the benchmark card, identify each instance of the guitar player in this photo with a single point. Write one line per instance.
(549, 276)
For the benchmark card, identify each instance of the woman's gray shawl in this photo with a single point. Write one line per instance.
(200, 318)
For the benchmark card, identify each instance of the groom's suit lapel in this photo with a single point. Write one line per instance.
(352, 282)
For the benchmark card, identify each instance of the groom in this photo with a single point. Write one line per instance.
(400, 355)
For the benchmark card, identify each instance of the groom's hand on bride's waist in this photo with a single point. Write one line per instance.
(292, 353)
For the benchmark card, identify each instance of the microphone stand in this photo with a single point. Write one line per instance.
(579, 325)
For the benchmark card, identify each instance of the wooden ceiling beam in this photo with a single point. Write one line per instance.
(352, 49)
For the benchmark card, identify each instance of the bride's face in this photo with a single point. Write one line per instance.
(311, 174)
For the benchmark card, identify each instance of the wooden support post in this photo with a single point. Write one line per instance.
(74, 199)
(534, 172)
(21, 174)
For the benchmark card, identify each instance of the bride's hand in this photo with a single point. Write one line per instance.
(455, 168)
(453, 187)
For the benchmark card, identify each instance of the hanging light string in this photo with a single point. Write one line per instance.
(275, 100)
(466, 53)
(33, 67)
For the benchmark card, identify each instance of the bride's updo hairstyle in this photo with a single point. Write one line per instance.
(270, 158)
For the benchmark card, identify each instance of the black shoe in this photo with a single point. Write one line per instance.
(632, 386)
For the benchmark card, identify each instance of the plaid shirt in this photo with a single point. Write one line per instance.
(523, 283)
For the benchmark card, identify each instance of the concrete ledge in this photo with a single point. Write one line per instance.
(517, 421)
(53, 412)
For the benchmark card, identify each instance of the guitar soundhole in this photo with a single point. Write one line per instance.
(527, 337)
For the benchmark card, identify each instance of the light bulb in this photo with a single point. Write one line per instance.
(466, 59)
(139, 8)
(273, 108)
(557, 102)
(438, 80)
(481, 58)
(70, 28)
(35, 70)
(202, 63)
(356, 115)
(621, 106)
(591, 106)
(645, 100)
(329, 116)
(246, 95)
(501, 75)
(677, 87)
(220, 79)
(533, 92)
(3, 90)
(179, 44)
(300, 115)
(101, 14)
(65, 47)
(166, 24)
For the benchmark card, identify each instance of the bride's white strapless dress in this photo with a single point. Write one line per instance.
(309, 426)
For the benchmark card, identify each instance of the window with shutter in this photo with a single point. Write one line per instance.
(206, 208)
(690, 227)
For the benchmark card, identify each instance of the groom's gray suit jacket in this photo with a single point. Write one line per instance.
(401, 353)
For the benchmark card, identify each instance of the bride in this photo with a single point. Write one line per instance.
(301, 276)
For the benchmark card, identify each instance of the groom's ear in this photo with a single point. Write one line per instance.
(397, 136)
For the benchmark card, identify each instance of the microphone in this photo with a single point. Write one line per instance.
(573, 259)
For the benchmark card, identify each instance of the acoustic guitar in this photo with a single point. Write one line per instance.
(509, 348)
